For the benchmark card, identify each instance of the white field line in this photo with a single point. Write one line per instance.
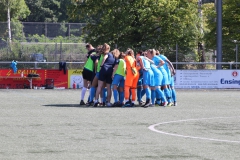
(152, 128)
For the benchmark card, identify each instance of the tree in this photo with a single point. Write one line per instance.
(140, 24)
(230, 29)
(12, 11)
(47, 10)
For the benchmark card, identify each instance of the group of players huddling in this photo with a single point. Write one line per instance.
(127, 77)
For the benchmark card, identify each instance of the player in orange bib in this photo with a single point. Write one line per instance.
(131, 79)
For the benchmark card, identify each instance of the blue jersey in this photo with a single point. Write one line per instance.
(146, 63)
(158, 77)
(157, 61)
(109, 63)
(166, 67)
(148, 77)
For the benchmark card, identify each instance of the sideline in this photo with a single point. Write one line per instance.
(152, 128)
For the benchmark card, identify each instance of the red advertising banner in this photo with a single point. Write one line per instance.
(25, 78)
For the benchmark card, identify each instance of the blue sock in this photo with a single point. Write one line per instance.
(153, 96)
(139, 90)
(174, 97)
(115, 95)
(167, 93)
(170, 90)
(143, 93)
(148, 93)
(92, 93)
(121, 95)
(161, 95)
(104, 94)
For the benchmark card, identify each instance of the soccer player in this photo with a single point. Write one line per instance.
(159, 63)
(167, 66)
(131, 79)
(148, 78)
(105, 73)
(158, 77)
(95, 79)
(118, 76)
(88, 71)
(140, 90)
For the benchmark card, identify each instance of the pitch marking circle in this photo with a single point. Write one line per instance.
(152, 128)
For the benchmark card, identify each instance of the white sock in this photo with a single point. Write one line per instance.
(83, 93)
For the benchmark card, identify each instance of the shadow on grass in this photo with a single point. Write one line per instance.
(82, 106)
(65, 105)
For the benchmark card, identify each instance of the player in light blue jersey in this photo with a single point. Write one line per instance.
(174, 96)
(148, 78)
(158, 78)
(171, 71)
(159, 63)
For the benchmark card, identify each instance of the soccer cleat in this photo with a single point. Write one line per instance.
(82, 103)
(152, 105)
(164, 104)
(109, 104)
(115, 104)
(146, 104)
(95, 104)
(170, 104)
(128, 104)
(90, 103)
(120, 104)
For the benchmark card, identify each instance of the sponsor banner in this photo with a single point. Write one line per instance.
(229, 79)
(60, 77)
(75, 79)
(10, 80)
(207, 79)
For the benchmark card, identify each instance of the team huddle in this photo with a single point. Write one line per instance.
(128, 77)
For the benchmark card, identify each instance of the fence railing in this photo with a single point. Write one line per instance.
(80, 65)
(50, 30)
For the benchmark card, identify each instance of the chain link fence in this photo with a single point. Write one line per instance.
(43, 42)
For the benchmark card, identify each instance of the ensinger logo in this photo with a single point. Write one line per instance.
(232, 81)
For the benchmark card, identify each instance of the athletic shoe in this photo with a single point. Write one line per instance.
(170, 104)
(115, 104)
(132, 105)
(90, 103)
(120, 104)
(175, 104)
(82, 103)
(151, 105)
(128, 104)
(95, 104)
(146, 104)
(102, 104)
(109, 104)
(164, 104)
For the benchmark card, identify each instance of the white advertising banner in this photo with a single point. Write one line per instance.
(207, 79)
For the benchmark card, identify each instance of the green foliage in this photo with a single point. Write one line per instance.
(47, 10)
(230, 29)
(18, 8)
(140, 24)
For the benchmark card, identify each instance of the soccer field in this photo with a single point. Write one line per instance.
(50, 124)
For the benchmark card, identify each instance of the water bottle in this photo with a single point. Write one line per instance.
(74, 85)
